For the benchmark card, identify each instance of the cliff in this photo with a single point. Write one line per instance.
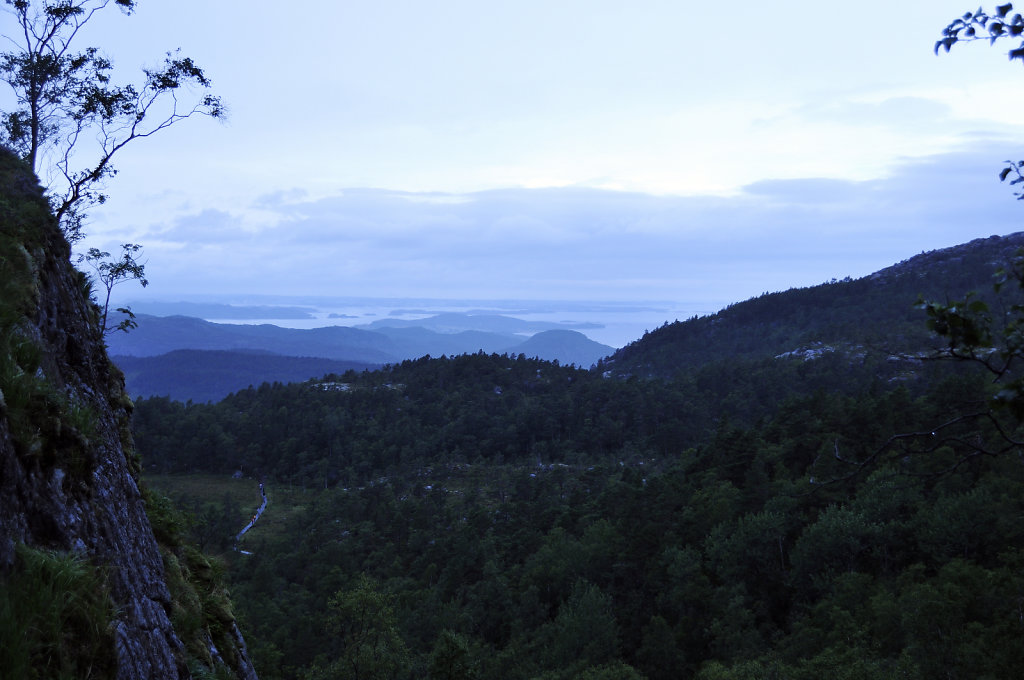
(68, 471)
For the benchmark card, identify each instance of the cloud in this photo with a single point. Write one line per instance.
(280, 197)
(580, 243)
(807, 191)
(209, 225)
(899, 111)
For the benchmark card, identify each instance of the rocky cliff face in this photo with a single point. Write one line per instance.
(68, 472)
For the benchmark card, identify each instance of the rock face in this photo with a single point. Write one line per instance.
(68, 472)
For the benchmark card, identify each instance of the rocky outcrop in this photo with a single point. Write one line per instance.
(68, 472)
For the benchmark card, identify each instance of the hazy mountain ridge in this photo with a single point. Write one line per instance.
(564, 346)
(158, 335)
(189, 358)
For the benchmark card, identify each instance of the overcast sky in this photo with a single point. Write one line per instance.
(667, 150)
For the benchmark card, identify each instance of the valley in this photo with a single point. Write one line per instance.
(797, 485)
(533, 341)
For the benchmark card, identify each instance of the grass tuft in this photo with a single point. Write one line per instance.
(56, 618)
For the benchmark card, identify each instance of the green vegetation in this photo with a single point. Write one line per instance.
(200, 603)
(19, 356)
(477, 409)
(216, 507)
(55, 614)
(510, 518)
(45, 423)
(56, 618)
(111, 273)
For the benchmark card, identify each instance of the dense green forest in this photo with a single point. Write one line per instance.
(840, 513)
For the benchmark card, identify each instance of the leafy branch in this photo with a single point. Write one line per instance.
(975, 334)
(994, 341)
(1014, 168)
(111, 273)
(980, 25)
(959, 436)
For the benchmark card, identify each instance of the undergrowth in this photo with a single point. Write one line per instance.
(200, 602)
(56, 618)
(47, 425)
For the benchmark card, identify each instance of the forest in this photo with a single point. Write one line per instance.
(843, 513)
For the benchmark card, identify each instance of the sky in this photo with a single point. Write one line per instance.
(559, 150)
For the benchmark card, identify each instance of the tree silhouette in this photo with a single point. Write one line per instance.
(68, 108)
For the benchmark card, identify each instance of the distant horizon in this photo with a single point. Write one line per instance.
(123, 295)
(611, 323)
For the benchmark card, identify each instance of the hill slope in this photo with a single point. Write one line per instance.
(567, 347)
(210, 375)
(875, 312)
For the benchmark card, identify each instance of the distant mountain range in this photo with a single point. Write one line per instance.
(876, 312)
(190, 358)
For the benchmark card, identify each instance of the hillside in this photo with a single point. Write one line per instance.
(876, 312)
(95, 579)
(211, 375)
(567, 347)
(751, 517)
